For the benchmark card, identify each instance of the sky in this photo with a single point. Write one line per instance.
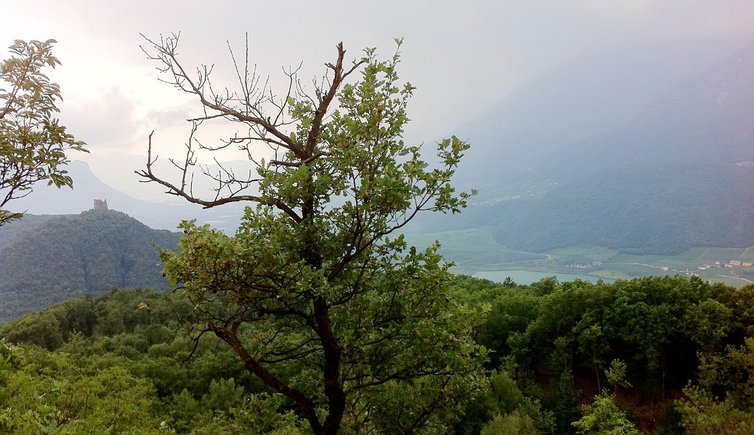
(463, 56)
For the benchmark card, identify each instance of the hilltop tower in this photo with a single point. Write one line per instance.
(100, 204)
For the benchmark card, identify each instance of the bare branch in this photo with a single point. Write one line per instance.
(324, 103)
(167, 55)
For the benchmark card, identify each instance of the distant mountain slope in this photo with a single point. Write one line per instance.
(706, 119)
(18, 226)
(74, 255)
(574, 102)
(643, 209)
(661, 183)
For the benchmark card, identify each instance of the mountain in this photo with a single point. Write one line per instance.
(669, 179)
(662, 168)
(572, 103)
(45, 200)
(705, 120)
(642, 209)
(75, 255)
(9, 231)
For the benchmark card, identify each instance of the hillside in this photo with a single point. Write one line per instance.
(704, 120)
(642, 209)
(75, 255)
(10, 230)
(572, 103)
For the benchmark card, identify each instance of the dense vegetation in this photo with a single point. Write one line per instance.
(9, 231)
(656, 355)
(56, 258)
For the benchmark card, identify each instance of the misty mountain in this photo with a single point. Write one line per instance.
(642, 209)
(45, 200)
(669, 179)
(704, 120)
(75, 255)
(572, 103)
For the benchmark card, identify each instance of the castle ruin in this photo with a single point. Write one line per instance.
(100, 204)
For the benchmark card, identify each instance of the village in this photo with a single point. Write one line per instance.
(730, 263)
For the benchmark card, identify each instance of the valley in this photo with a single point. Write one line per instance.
(475, 252)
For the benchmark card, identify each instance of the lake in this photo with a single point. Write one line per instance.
(526, 277)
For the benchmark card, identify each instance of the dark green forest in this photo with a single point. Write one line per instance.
(84, 254)
(655, 355)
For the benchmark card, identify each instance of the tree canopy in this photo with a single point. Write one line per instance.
(33, 144)
(317, 293)
(128, 350)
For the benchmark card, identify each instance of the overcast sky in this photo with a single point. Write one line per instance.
(463, 56)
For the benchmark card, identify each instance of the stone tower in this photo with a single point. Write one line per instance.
(100, 204)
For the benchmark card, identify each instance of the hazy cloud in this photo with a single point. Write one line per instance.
(462, 56)
(109, 121)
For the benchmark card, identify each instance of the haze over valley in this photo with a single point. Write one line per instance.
(645, 151)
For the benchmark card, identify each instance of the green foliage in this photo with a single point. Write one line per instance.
(703, 414)
(505, 392)
(616, 374)
(535, 387)
(503, 404)
(514, 423)
(603, 417)
(722, 400)
(223, 395)
(135, 376)
(50, 393)
(33, 144)
(650, 337)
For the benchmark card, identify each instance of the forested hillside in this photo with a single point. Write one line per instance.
(75, 255)
(638, 209)
(11, 230)
(656, 355)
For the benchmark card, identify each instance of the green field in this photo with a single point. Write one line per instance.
(584, 254)
(475, 250)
